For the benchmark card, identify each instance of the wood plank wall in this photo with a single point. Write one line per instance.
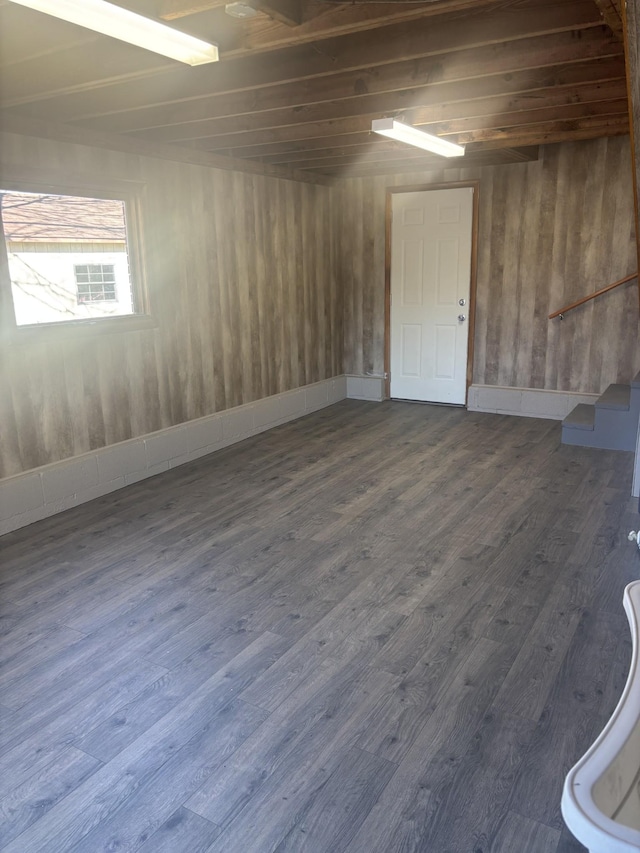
(549, 232)
(631, 18)
(240, 270)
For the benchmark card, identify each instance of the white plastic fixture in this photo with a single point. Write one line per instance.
(240, 10)
(601, 797)
(119, 23)
(402, 132)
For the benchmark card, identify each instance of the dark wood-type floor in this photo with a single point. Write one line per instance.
(382, 628)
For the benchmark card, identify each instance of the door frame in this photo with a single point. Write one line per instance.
(449, 185)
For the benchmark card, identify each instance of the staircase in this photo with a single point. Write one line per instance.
(611, 423)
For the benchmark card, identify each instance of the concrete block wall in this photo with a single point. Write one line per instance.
(54, 488)
(365, 387)
(526, 402)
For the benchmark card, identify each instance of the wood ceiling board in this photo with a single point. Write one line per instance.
(287, 12)
(612, 15)
(323, 20)
(115, 142)
(404, 42)
(460, 66)
(539, 134)
(544, 133)
(520, 106)
(342, 19)
(524, 118)
(501, 76)
(34, 36)
(502, 124)
(286, 134)
(170, 10)
(114, 62)
(226, 132)
(427, 164)
(383, 155)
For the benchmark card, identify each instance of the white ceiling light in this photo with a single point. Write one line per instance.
(111, 20)
(395, 129)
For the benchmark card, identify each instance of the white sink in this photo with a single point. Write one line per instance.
(601, 797)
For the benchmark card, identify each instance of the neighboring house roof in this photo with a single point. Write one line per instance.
(30, 217)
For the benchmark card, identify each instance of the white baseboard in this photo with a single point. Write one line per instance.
(37, 494)
(363, 387)
(526, 402)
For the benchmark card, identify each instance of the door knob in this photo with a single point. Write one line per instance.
(461, 317)
(462, 302)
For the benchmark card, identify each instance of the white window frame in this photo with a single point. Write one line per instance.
(132, 194)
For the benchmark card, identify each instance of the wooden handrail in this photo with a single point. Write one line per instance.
(584, 299)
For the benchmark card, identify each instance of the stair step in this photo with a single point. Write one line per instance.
(582, 417)
(635, 382)
(615, 397)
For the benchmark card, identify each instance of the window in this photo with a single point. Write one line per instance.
(95, 282)
(70, 258)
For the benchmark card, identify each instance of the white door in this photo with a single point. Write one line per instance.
(430, 284)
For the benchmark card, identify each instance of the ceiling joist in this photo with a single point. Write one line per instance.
(299, 84)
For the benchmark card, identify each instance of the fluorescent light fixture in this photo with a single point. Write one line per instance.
(395, 129)
(111, 20)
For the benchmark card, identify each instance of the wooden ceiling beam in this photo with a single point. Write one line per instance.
(438, 171)
(172, 10)
(612, 16)
(115, 142)
(290, 140)
(516, 122)
(406, 41)
(559, 130)
(320, 20)
(323, 20)
(43, 37)
(382, 160)
(540, 135)
(374, 150)
(287, 12)
(76, 70)
(463, 65)
(235, 131)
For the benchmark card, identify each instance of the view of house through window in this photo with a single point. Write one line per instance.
(96, 282)
(67, 257)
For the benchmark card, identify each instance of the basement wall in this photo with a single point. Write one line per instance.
(550, 232)
(242, 287)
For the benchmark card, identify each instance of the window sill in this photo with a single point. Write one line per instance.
(80, 328)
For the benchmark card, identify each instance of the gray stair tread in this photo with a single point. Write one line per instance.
(635, 382)
(582, 417)
(615, 397)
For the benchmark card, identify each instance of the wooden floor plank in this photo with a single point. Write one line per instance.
(405, 811)
(440, 676)
(183, 830)
(322, 639)
(570, 721)
(525, 835)
(326, 713)
(40, 792)
(337, 804)
(36, 737)
(175, 780)
(99, 798)
(132, 719)
(480, 790)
